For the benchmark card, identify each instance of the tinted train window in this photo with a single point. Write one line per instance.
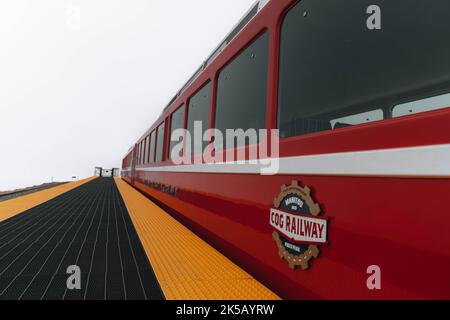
(152, 147)
(146, 150)
(142, 152)
(332, 66)
(139, 154)
(242, 89)
(423, 105)
(177, 122)
(138, 159)
(160, 143)
(199, 110)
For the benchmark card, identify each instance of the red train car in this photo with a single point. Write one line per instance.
(360, 94)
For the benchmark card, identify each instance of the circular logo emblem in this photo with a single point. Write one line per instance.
(298, 229)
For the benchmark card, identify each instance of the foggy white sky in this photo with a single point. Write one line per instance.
(73, 97)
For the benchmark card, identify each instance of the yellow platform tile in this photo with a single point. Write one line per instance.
(187, 268)
(18, 205)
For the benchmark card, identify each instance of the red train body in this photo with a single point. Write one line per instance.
(383, 186)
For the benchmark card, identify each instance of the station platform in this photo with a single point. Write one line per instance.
(125, 246)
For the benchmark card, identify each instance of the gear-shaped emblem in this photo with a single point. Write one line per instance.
(298, 228)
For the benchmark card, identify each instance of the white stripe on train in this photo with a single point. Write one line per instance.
(423, 161)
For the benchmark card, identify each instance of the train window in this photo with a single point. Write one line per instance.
(138, 154)
(355, 119)
(242, 89)
(143, 152)
(152, 147)
(199, 110)
(418, 106)
(332, 65)
(177, 122)
(146, 150)
(160, 143)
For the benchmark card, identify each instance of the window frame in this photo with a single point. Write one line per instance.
(140, 153)
(386, 109)
(145, 150)
(387, 104)
(163, 123)
(221, 153)
(151, 159)
(211, 112)
(169, 144)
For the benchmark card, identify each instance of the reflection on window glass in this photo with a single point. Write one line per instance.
(138, 158)
(152, 147)
(143, 151)
(418, 106)
(146, 150)
(242, 89)
(199, 110)
(177, 122)
(147, 154)
(160, 143)
(356, 119)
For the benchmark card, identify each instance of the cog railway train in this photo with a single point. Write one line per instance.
(359, 208)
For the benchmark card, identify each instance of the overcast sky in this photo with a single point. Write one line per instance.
(81, 80)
